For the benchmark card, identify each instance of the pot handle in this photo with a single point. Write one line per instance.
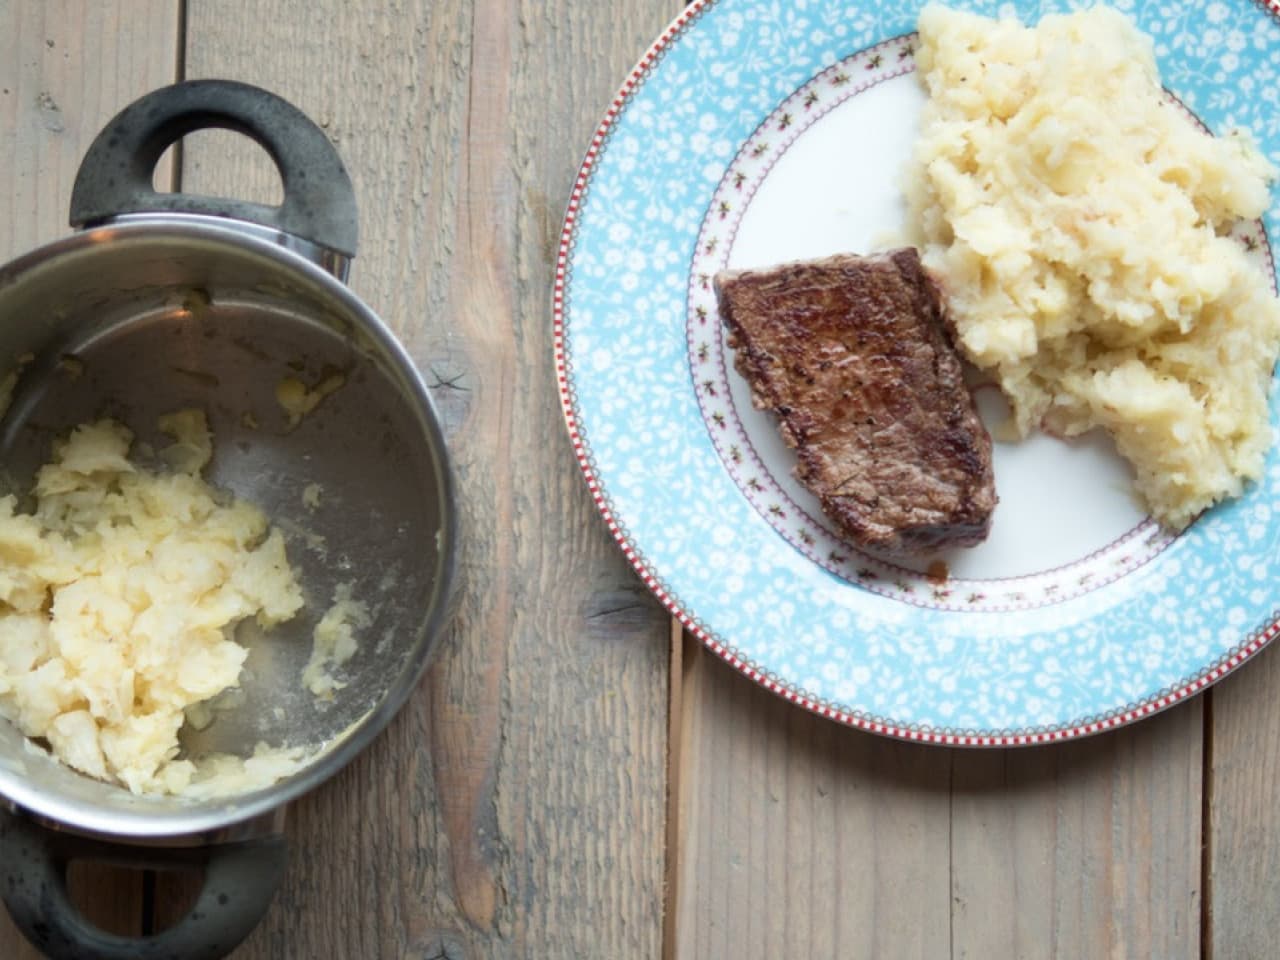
(240, 879)
(115, 176)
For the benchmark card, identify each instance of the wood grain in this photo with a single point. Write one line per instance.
(802, 838)
(515, 808)
(65, 69)
(1242, 859)
(1086, 849)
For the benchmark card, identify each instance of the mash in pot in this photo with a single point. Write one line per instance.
(1076, 220)
(117, 599)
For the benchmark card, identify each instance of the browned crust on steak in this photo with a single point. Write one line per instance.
(849, 353)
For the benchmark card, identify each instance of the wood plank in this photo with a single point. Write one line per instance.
(802, 838)
(65, 69)
(1243, 793)
(1086, 849)
(515, 808)
(676, 800)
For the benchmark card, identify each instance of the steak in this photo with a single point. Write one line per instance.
(850, 353)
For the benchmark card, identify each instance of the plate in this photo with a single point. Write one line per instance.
(757, 131)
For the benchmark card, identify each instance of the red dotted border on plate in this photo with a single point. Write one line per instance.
(885, 728)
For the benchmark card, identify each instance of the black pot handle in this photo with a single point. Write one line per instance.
(239, 882)
(115, 175)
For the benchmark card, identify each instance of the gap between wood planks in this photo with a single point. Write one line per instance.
(675, 794)
(1206, 839)
(675, 737)
(179, 74)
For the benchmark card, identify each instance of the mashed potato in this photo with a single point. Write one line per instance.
(117, 599)
(297, 399)
(1075, 219)
(334, 642)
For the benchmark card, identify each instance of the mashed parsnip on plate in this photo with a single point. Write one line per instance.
(1075, 219)
(116, 599)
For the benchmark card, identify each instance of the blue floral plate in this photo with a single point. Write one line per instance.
(758, 131)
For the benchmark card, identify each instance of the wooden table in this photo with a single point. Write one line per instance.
(573, 778)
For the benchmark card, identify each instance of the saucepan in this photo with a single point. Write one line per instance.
(168, 301)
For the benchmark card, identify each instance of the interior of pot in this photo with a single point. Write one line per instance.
(161, 318)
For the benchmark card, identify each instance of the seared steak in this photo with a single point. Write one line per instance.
(850, 353)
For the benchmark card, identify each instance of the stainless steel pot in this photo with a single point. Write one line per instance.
(171, 300)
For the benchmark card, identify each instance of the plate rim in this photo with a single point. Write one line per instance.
(1251, 643)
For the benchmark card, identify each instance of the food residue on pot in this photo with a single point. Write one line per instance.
(297, 399)
(71, 366)
(311, 495)
(223, 775)
(200, 378)
(9, 382)
(335, 641)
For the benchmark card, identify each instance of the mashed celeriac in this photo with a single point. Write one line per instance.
(117, 599)
(1076, 220)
